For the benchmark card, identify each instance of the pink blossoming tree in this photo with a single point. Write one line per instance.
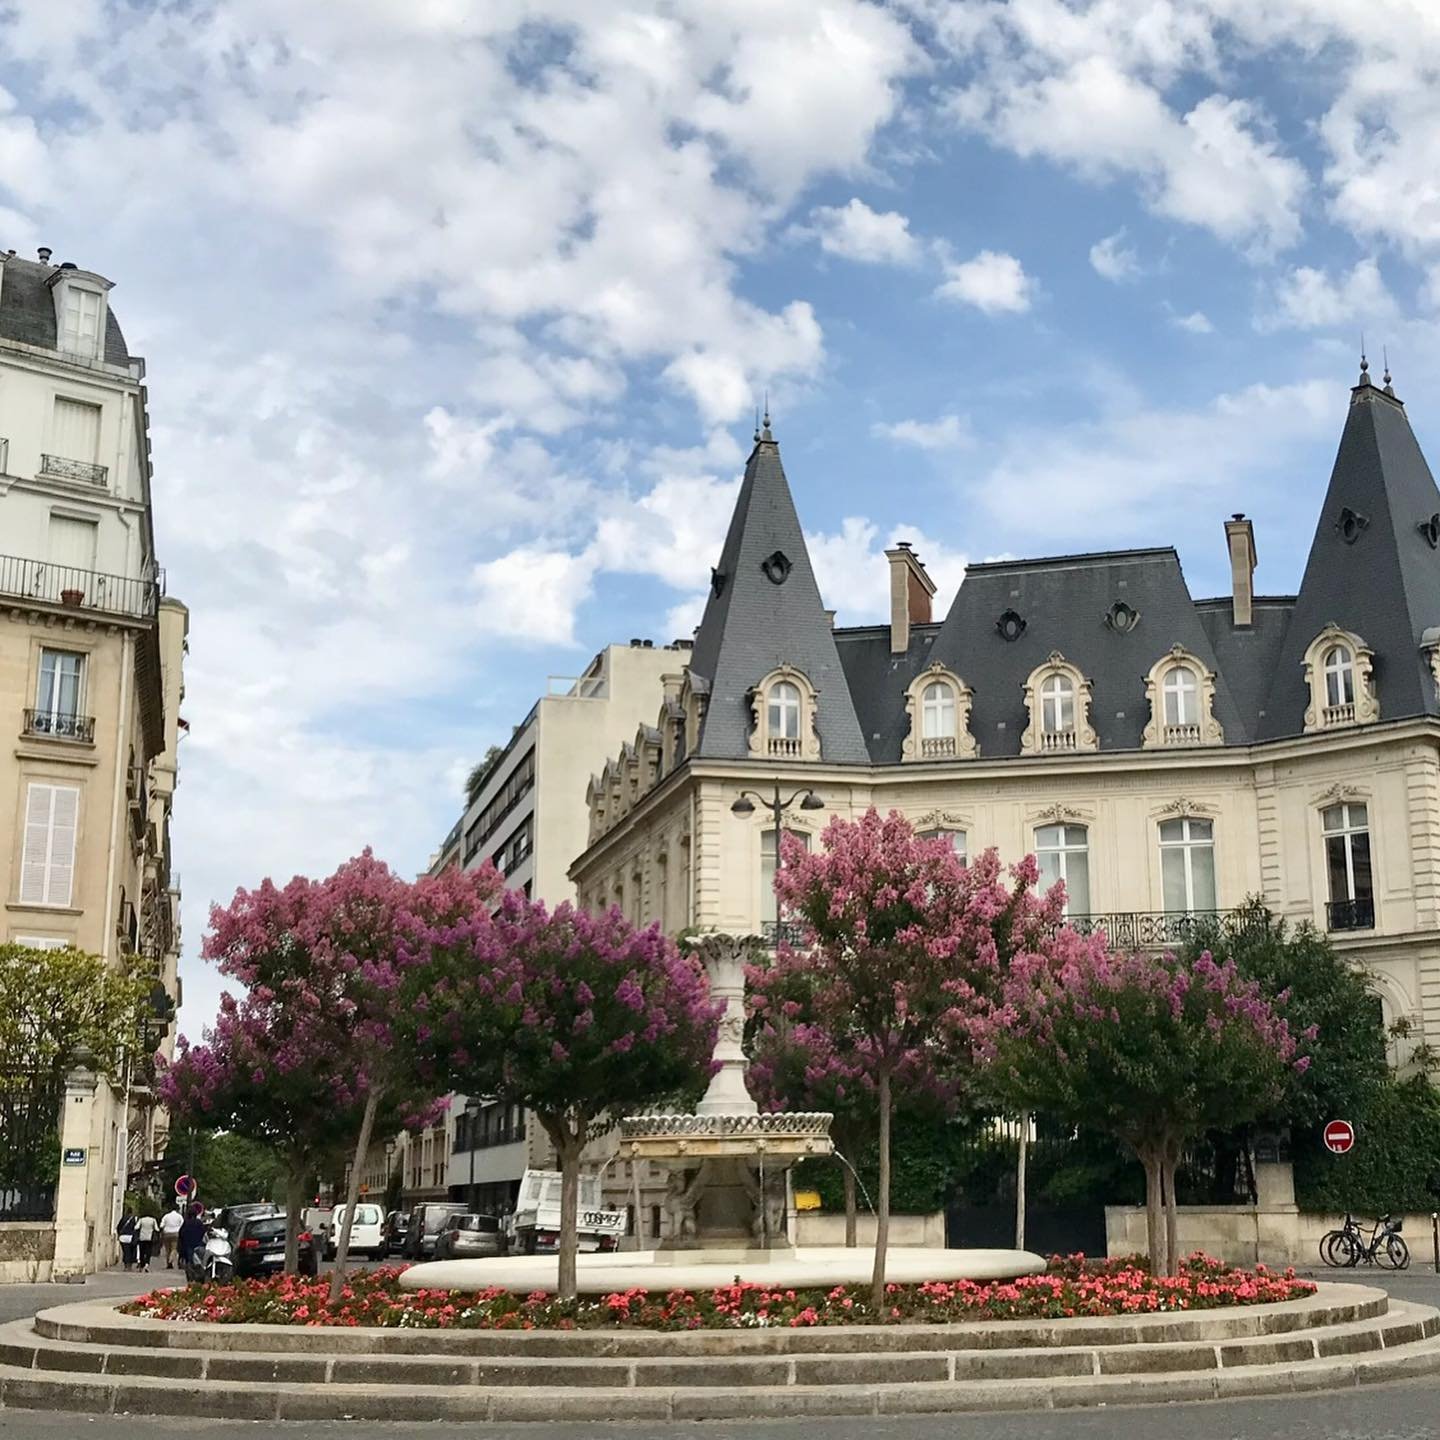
(909, 950)
(1151, 1048)
(579, 1018)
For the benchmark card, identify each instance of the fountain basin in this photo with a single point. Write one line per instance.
(703, 1270)
(788, 1136)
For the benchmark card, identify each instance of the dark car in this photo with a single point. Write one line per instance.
(397, 1223)
(426, 1223)
(471, 1237)
(231, 1217)
(259, 1247)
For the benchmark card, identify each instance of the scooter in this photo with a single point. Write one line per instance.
(214, 1262)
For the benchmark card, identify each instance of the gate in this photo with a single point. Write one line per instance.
(29, 1146)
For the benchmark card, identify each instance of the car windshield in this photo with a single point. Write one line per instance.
(367, 1214)
(270, 1228)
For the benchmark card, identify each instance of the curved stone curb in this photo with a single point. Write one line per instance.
(1334, 1304)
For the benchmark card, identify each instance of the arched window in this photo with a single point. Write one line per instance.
(1057, 708)
(784, 711)
(1339, 671)
(1347, 860)
(1182, 698)
(1187, 865)
(956, 838)
(937, 707)
(1063, 852)
(938, 712)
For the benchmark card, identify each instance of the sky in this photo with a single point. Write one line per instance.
(456, 315)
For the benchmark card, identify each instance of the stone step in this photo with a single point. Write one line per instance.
(146, 1395)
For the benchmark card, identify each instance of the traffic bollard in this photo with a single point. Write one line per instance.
(1435, 1237)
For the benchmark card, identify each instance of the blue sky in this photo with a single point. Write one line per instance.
(455, 316)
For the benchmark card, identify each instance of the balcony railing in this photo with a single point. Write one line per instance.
(1339, 714)
(942, 747)
(783, 932)
(1052, 741)
(1182, 734)
(784, 749)
(80, 589)
(1155, 929)
(1350, 914)
(57, 725)
(4, 454)
(83, 472)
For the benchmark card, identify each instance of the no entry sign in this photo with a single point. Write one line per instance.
(1339, 1137)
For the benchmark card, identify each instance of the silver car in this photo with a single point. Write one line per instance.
(471, 1237)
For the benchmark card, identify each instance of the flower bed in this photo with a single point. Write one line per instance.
(1072, 1286)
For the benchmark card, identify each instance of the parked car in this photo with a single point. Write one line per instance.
(426, 1223)
(366, 1233)
(260, 1247)
(397, 1222)
(471, 1237)
(231, 1217)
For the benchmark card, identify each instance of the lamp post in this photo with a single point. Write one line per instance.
(472, 1110)
(748, 799)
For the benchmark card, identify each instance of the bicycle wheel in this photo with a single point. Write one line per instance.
(1328, 1241)
(1394, 1253)
(1347, 1250)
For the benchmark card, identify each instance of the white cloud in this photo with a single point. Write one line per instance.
(993, 282)
(856, 232)
(1113, 260)
(530, 595)
(1307, 298)
(1197, 322)
(948, 432)
(854, 575)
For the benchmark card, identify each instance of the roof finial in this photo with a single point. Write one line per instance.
(1364, 363)
(1385, 355)
(757, 424)
(765, 432)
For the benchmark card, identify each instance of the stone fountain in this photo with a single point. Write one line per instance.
(727, 1193)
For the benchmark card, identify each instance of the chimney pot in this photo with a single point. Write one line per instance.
(910, 590)
(1240, 539)
(44, 252)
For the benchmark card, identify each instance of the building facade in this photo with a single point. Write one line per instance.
(1165, 756)
(91, 680)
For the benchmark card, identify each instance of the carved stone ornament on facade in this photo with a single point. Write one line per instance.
(805, 745)
(1184, 806)
(960, 744)
(1339, 792)
(1197, 728)
(1058, 814)
(1059, 739)
(1320, 713)
(940, 820)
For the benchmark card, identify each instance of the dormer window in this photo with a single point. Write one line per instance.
(783, 717)
(80, 312)
(1339, 673)
(1181, 692)
(1182, 699)
(938, 703)
(1057, 698)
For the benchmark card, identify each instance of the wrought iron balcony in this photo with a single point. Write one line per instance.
(79, 589)
(1350, 914)
(783, 932)
(1154, 929)
(58, 725)
(83, 472)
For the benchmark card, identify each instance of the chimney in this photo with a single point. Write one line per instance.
(1240, 537)
(44, 253)
(910, 592)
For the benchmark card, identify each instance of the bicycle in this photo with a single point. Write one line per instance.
(1347, 1247)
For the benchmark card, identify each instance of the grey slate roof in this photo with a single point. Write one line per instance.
(1385, 587)
(753, 625)
(27, 310)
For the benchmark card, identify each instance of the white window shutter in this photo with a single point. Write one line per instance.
(77, 430)
(47, 868)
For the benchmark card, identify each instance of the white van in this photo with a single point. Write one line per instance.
(367, 1234)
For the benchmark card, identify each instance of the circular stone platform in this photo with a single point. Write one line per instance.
(701, 1269)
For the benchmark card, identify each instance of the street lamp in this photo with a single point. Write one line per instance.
(472, 1110)
(748, 799)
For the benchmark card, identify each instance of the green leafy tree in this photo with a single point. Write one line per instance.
(475, 780)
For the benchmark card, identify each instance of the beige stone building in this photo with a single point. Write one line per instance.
(91, 680)
(1165, 756)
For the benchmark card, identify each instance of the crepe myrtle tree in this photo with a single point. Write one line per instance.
(576, 1017)
(1152, 1049)
(909, 949)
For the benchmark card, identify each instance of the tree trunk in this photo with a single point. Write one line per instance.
(1020, 1182)
(851, 1209)
(568, 1147)
(295, 1177)
(1154, 1212)
(1172, 1222)
(882, 1212)
(352, 1195)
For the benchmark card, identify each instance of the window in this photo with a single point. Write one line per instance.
(784, 711)
(47, 869)
(77, 430)
(1057, 705)
(769, 863)
(72, 543)
(1346, 829)
(1340, 676)
(81, 316)
(937, 712)
(1339, 669)
(58, 695)
(42, 942)
(1182, 698)
(1187, 866)
(955, 837)
(1064, 854)
(662, 891)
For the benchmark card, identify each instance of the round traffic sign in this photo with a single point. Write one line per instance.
(185, 1186)
(1339, 1137)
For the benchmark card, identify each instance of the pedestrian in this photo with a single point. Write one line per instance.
(125, 1230)
(170, 1224)
(192, 1234)
(145, 1228)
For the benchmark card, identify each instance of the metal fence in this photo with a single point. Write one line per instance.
(79, 589)
(29, 1146)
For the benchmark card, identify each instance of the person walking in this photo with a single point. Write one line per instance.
(145, 1228)
(170, 1224)
(125, 1231)
(192, 1235)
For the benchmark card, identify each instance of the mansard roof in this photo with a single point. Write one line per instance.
(27, 309)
